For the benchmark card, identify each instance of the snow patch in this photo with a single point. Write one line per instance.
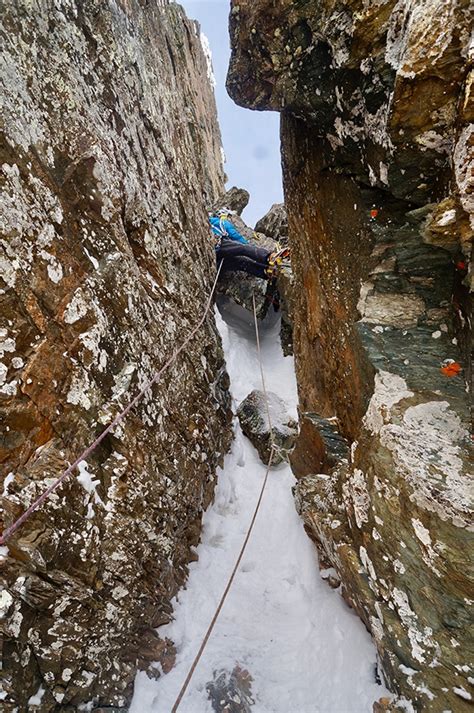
(77, 393)
(462, 693)
(36, 699)
(7, 344)
(448, 217)
(421, 532)
(85, 478)
(77, 308)
(206, 48)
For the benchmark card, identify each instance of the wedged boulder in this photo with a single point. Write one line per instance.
(243, 289)
(253, 417)
(275, 224)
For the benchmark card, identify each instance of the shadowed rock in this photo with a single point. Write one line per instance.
(320, 447)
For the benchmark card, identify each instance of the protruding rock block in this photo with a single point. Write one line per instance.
(319, 448)
(236, 199)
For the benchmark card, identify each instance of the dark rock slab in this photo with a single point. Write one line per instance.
(320, 447)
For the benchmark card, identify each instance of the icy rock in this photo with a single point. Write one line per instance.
(231, 692)
(253, 418)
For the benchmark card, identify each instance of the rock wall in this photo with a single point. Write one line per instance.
(110, 155)
(377, 141)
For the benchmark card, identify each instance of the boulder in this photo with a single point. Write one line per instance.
(253, 417)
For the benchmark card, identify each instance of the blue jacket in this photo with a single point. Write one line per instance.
(223, 228)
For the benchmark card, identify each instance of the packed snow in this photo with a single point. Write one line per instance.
(305, 650)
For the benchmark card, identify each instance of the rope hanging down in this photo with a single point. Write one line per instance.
(118, 419)
(249, 531)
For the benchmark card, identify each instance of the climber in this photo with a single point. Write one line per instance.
(236, 253)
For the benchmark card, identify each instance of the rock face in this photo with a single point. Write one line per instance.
(254, 414)
(110, 156)
(376, 102)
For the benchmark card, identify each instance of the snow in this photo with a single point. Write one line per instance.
(36, 699)
(305, 650)
(85, 478)
(208, 55)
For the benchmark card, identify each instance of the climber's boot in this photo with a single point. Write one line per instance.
(276, 261)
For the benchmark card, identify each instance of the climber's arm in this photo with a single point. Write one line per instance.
(233, 233)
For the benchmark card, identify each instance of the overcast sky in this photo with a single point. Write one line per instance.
(251, 138)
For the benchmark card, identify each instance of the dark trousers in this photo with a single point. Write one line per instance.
(242, 256)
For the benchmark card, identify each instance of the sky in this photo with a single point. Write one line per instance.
(251, 138)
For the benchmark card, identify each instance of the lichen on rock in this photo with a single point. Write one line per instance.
(376, 103)
(110, 155)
